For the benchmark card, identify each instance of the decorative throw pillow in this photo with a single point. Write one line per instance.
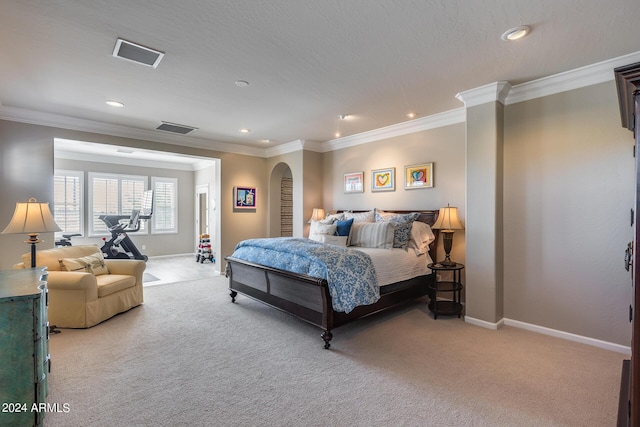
(93, 263)
(335, 217)
(381, 215)
(343, 228)
(319, 228)
(402, 234)
(372, 234)
(333, 240)
(404, 223)
(361, 216)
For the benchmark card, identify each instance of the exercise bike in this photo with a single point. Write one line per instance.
(120, 246)
(65, 240)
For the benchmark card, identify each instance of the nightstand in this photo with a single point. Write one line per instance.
(454, 287)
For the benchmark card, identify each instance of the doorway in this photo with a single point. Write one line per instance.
(202, 210)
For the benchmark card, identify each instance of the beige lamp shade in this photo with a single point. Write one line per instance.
(448, 219)
(318, 214)
(447, 222)
(31, 217)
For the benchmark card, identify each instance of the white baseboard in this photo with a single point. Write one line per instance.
(484, 323)
(172, 255)
(551, 332)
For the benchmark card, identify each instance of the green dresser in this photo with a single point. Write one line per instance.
(24, 347)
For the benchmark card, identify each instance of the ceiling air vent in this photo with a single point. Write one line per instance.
(175, 128)
(136, 53)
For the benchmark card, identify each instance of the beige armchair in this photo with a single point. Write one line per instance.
(91, 294)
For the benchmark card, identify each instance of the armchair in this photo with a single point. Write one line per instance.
(82, 299)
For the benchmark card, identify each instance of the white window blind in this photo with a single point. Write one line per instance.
(165, 205)
(111, 194)
(67, 201)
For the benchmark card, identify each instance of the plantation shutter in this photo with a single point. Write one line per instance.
(67, 201)
(165, 196)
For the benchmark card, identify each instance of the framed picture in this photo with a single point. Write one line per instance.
(354, 182)
(418, 176)
(383, 179)
(244, 197)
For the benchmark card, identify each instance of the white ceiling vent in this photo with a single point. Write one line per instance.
(175, 128)
(136, 53)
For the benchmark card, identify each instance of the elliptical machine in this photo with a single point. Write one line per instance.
(120, 246)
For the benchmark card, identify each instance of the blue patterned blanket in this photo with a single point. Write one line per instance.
(350, 273)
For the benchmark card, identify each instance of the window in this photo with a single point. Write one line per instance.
(165, 205)
(111, 194)
(67, 201)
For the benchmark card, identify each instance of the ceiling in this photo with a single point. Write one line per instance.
(306, 61)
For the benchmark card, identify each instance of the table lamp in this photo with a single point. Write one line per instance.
(31, 218)
(318, 214)
(447, 223)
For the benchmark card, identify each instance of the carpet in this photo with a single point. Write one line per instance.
(190, 357)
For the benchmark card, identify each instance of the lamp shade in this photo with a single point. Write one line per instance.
(30, 218)
(448, 219)
(318, 214)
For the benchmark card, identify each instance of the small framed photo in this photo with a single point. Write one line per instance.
(418, 176)
(383, 179)
(244, 197)
(354, 182)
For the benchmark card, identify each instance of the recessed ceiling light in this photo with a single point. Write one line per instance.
(113, 103)
(337, 134)
(245, 130)
(242, 83)
(516, 33)
(266, 141)
(343, 116)
(411, 115)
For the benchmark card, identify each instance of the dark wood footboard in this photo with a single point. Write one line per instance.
(308, 298)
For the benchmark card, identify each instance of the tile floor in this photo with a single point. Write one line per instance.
(178, 268)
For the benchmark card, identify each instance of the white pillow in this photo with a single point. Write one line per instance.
(335, 217)
(421, 237)
(333, 240)
(368, 216)
(372, 234)
(319, 228)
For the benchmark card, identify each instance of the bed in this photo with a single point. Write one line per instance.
(309, 298)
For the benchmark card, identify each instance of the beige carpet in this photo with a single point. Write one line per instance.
(189, 357)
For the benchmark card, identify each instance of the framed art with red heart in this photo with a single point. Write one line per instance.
(418, 176)
(383, 179)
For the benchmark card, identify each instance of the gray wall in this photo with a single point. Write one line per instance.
(26, 155)
(569, 188)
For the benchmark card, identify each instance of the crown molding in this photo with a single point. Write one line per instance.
(492, 92)
(589, 75)
(72, 123)
(446, 118)
(293, 146)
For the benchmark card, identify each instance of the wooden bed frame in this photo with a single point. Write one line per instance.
(308, 298)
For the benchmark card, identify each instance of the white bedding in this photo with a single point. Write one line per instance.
(396, 265)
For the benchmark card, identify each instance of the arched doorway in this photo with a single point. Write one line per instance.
(281, 201)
